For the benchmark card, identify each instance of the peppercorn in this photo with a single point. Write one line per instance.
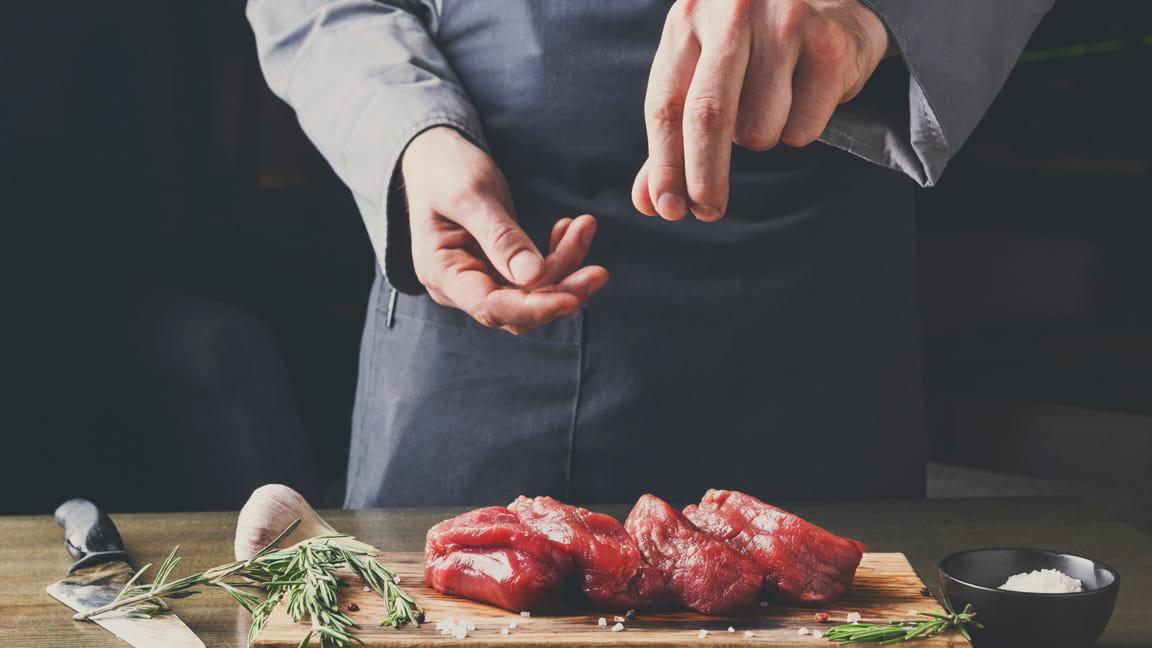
(352, 607)
(924, 591)
(630, 614)
(419, 617)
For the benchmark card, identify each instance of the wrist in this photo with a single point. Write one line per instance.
(426, 143)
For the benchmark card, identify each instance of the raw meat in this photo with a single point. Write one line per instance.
(801, 562)
(488, 555)
(703, 572)
(614, 574)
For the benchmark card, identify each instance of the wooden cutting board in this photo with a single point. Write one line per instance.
(886, 587)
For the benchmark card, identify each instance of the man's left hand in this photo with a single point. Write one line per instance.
(753, 72)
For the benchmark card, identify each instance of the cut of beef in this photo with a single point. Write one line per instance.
(703, 572)
(614, 573)
(801, 562)
(488, 555)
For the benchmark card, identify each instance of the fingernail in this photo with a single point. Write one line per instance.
(525, 266)
(705, 213)
(671, 206)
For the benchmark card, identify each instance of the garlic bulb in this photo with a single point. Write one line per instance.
(269, 510)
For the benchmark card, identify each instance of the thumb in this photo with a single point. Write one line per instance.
(506, 245)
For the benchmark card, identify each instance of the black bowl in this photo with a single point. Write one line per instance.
(1019, 619)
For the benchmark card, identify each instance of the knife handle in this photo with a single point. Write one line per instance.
(89, 534)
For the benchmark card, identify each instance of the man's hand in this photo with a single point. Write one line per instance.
(753, 72)
(470, 253)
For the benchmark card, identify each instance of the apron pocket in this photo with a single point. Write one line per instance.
(459, 414)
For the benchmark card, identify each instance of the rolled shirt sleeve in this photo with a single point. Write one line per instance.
(958, 55)
(364, 77)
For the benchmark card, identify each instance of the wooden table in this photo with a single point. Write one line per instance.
(32, 555)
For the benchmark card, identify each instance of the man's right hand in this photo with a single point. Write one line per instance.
(469, 251)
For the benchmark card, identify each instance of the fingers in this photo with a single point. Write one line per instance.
(668, 84)
(570, 250)
(766, 98)
(817, 87)
(640, 196)
(520, 308)
(558, 231)
(504, 243)
(585, 282)
(710, 121)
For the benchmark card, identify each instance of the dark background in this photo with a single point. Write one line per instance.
(185, 279)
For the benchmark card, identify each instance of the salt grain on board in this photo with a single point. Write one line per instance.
(853, 617)
(803, 632)
(748, 634)
(619, 627)
(602, 622)
(702, 633)
(817, 634)
(504, 631)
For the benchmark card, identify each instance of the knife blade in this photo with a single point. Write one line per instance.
(100, 573)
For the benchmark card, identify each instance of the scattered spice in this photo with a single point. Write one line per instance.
(630, 614)
(924, 591)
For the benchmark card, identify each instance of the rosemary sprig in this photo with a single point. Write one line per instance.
(924, 625)
(304, 575)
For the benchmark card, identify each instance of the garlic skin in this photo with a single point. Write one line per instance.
(268, 511)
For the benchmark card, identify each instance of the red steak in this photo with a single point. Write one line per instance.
(488, 555)
(801, 562)
(615, 575)
(703, 573)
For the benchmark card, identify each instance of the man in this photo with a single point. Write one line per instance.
(761, 334)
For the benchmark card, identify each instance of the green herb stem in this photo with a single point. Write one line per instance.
(303, 575)
(921, 626)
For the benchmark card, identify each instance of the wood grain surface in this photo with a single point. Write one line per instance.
(32, 555)
(885, 588)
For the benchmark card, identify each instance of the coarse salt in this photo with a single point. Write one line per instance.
(396, 578)
(702, 633)
(504, 631)
(1044, 581)
(513, 625)
(853, 617)
(913, 613)
(602, 622)
(748, 634)
(803, 632)
(619, 619)
(619, 627)
(731, 629)
(525, 614)
(367, 589)
(817, 634)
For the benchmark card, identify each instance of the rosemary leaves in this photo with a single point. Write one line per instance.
(924, 625)
(304, 576)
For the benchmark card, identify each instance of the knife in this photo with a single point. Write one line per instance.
(100, 573)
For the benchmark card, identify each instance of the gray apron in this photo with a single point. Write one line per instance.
(774, 352)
